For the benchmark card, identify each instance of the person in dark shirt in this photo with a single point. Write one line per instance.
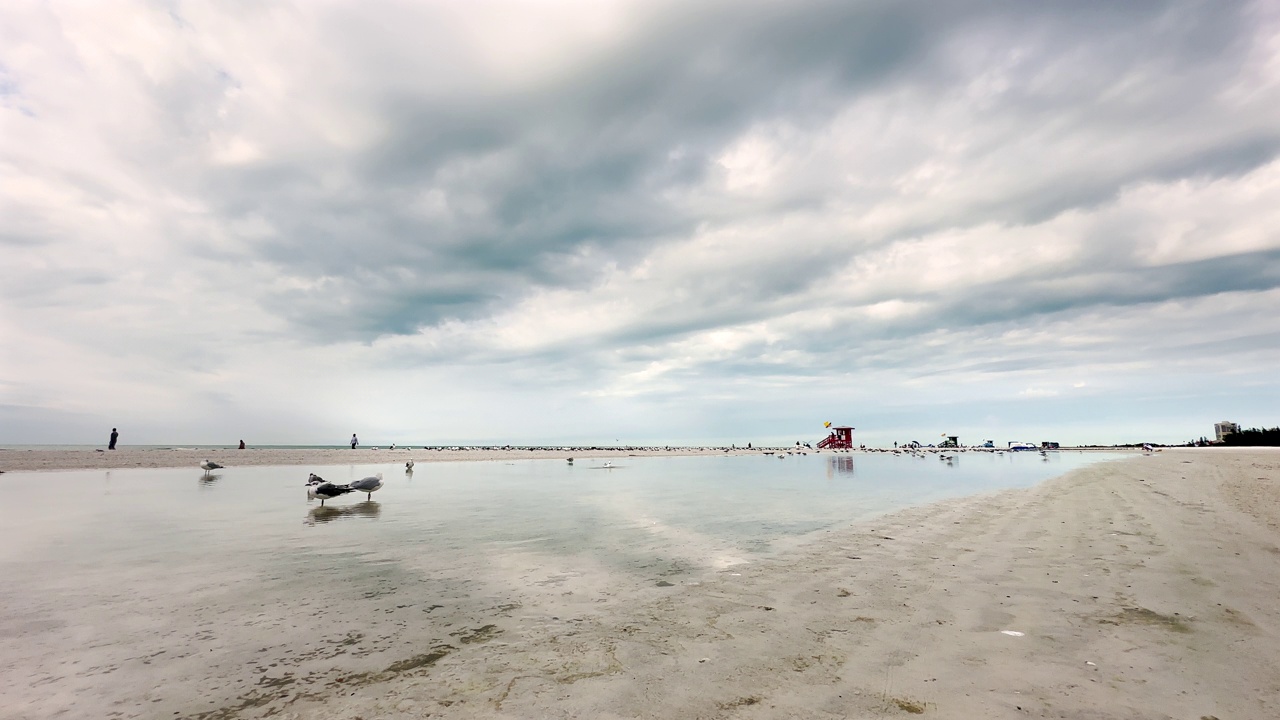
(112, 445)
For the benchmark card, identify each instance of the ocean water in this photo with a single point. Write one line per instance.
(171, 592)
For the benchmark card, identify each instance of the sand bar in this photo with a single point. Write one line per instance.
(1142, 588)
(23, 460)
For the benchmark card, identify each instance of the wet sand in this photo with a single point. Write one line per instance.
(1143, 588)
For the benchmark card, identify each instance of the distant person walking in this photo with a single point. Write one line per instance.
(111, 445)
(354, 441)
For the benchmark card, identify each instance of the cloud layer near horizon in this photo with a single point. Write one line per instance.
(645, 221)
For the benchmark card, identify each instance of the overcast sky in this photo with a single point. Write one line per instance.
(638, 221)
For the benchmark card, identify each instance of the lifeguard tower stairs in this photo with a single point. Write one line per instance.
(841, 438)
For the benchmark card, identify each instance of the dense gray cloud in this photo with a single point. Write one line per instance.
(298, 216)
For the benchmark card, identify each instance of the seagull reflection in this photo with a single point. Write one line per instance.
(208, 479)
(329, 513)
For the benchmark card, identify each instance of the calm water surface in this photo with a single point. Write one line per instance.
(165, 592)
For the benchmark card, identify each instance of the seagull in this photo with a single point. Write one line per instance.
(608, 465)
(318, 488)
(209, 465)
(368, 485)
(408, 466)
(324, 491)
(570, 461)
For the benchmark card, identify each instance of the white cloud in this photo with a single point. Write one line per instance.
(688, 222)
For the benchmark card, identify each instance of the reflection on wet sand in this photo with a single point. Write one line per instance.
(328, 513)
(211, 575)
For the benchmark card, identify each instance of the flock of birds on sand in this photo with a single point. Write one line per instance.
(950, 459)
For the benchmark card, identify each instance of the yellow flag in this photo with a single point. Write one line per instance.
(826, 424)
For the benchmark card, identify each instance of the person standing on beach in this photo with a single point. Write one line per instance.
(111, 445)
(354, 441)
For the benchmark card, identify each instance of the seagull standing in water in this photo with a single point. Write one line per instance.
(318, 488)
(408, 467)
(210, 466)
(368, 485)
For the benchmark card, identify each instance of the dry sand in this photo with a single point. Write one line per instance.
(1143, 588)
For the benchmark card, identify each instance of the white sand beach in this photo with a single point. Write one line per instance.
(1141, 588)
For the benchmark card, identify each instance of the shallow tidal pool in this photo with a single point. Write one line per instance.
(177, 593)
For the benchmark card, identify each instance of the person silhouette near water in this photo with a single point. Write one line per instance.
(112, 444)
(354, 441)
(241, 444)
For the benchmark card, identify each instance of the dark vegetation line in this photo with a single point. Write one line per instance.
(1253, 437)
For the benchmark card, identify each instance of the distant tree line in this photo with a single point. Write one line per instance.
(1253, 437)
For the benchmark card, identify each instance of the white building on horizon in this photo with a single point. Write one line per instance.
(1225, 428)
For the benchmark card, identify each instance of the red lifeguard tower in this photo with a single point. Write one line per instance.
(841, 438)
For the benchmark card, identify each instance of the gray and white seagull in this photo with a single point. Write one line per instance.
(368, 485)
(318, 488)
